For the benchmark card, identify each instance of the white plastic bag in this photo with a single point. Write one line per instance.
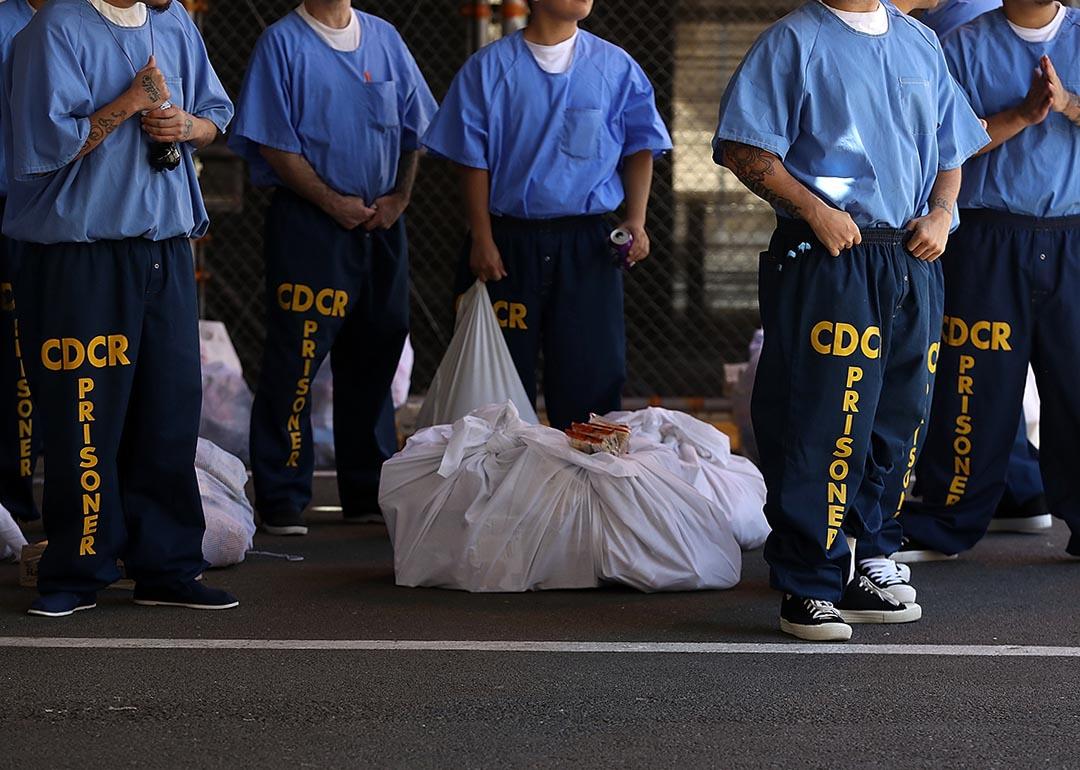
(11, 536)
(1032, 408)
(704, 455)
(477, 369)
(399, 389)
(743, 393)
(493, 503)
(230, 520)
(227, 399)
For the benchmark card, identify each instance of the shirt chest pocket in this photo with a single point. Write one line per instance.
(380, 105)
(176, 91)
(581, 132)
(918, 106)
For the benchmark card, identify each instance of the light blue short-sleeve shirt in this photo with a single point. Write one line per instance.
(553, 143)
(865, 121)
(349, 113)
(68, 63)
(1037, 172)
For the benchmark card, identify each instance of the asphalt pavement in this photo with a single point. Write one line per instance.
(759, 706)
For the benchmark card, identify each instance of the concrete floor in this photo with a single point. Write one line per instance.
(497, 708)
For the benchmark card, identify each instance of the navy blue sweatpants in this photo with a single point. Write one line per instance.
(841, 393)
(1012, 284)
(19, 445)
(111, 342)
(330, 291)
(562, 297)
(1023, 479)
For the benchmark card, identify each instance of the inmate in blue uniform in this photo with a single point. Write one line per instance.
(1012, 278)
(953, 14)
(18, 447)
(850, 342)
(554, 146)
(351, 115)
(107, 299)
(1024, 495)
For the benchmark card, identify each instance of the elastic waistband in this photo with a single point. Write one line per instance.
(1021, 221)
(881, 235)
(558, 224)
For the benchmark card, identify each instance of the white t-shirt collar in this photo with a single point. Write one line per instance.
(555, 59)
(346, 39)
(1041, 34)
(135, 16)
(869, 23)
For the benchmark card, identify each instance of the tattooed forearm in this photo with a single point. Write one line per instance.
(754, 167)
(185, 133)
(1072, 109)
(941, 202)
(102, 123)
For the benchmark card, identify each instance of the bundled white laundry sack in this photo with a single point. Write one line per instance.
(230, 519)
(227, 399)
(494, 503)
(477, 369)
(11, 536)
(742, 396)
(704, 454)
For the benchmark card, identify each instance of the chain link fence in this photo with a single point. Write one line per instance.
(690, 309)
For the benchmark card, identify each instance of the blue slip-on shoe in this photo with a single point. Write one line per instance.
(61, 604)
(192, 595)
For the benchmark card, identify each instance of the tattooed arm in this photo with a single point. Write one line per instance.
(298, 175)
(146, 92)
(172, 124)
(764, 175)
(931, 233)
(1072, 109)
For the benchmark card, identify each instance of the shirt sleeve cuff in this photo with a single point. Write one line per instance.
(773, 143)
(26, 172)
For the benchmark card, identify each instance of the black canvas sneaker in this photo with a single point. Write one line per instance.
(889, 576)
(864, 602)
(283, 523)
(812, 619)
(1030, 518)
(912, 551)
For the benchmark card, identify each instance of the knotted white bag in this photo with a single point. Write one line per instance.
(477, 369)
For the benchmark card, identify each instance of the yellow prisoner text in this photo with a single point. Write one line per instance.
(303, 389)
(90, 479)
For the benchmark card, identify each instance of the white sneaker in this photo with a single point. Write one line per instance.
(887, 575)
(863, 602)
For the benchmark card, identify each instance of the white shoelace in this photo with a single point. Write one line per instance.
(883, 571)
(821, 610)
(868, 585)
